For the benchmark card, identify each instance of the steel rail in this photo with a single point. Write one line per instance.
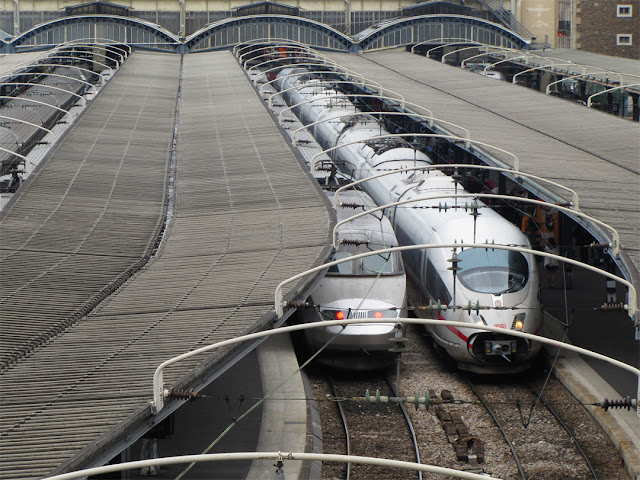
(542, 67)
(405, 414)
(297, 74)
(461, 41)
(343, 418)
(85, 52)
(500, 426)
(566, 427)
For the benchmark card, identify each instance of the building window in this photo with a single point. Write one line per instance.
(625, 39)
(625, 11)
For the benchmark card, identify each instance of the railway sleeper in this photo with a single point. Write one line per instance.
(468, 448)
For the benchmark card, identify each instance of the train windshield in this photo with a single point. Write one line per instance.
(373, 265)
(493, 271)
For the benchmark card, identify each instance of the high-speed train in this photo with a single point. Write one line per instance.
(505, 282)
(371, 287)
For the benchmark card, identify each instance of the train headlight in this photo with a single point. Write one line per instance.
(333, 314)
(518, 321)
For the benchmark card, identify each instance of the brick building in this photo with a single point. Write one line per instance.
(609, 27)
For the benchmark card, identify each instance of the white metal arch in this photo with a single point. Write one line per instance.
(310, 56)
(88, 84)
(44, 104)
(430, 120)
(589, 102)
(300, 48)
(95, 62)
(301, 53)
(24, 159)
(44, 85)
(259, 43)
(278, 457)
(344, 71)
(341, 97)
(631, 307)
(376, 85)
(70, 49)
(584, 74)
(614, 244)
(56, 65)
(575, 204)
(516, 161)
(39, 127)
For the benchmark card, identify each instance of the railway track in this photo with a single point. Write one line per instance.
(542, 445)
(536, 434)
(382, 431)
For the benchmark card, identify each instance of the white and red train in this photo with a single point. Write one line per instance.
(506, 281)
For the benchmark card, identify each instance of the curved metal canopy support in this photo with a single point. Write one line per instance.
(95, 62)
(56, 65)
(164, 36)
(79, 80)
(260, 46)
(13, 119)
(37, 102)
(410, 28)
(260, 43)
(44, 85)
(232, 29)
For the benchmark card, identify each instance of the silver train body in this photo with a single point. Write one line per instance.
(372, 287)
(491, 277)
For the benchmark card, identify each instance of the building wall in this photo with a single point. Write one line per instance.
(541, 18)
(598, 25)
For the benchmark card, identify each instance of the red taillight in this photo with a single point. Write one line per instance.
(378, 315)
(339, 315)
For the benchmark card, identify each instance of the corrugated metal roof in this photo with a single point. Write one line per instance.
(246, 217)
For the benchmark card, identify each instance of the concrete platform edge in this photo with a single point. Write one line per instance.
(621, 426)
(285, 420)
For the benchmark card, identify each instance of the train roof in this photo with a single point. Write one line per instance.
(372, 229)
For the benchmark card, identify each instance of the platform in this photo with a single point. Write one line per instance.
(244, 215)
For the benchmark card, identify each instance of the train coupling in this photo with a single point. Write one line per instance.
(500, 348)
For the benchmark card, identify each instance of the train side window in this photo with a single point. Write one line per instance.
(436, 286)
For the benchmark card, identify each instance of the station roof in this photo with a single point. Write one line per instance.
(245, 215)
(592, 152)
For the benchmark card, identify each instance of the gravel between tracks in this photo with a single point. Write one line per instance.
(549, 455)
